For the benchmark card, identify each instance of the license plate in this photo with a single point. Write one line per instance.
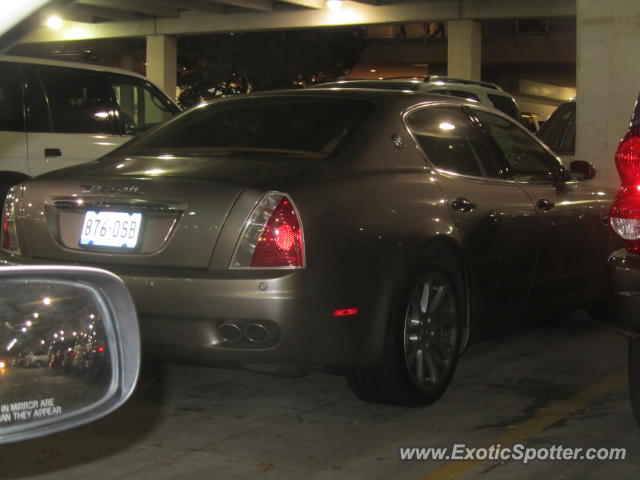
(110, 229)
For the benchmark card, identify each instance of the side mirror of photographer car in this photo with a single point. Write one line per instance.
(69, 348)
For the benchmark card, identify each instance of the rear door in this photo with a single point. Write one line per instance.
(571, 214)
(13, 139)
(494, 216)
(71, 118)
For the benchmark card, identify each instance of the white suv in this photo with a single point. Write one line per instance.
(56, 114)
(485, 93)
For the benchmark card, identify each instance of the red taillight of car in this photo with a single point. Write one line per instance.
(8, 234)
(628, 158)
(100, 349)
(625, 211)
(272, 236)
(280, 243)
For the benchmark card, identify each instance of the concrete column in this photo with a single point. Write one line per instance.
(464, 55)
(162, 62)
(608, 80)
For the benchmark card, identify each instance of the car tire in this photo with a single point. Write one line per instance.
(422, 347)
(38, 364)
(634, 376)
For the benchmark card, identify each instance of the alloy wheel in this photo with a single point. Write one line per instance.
(431, 330)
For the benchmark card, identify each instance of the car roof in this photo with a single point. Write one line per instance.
(445, 80)
(417, 84)
(67, 64)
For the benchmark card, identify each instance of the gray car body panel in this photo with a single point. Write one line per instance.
(368, 212)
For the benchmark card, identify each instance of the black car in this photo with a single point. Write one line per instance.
(624, 264)
(559, 131)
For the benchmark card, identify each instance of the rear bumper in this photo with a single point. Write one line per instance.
(181, 313)
(624, 282)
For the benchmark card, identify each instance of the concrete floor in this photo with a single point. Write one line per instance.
(560, 383)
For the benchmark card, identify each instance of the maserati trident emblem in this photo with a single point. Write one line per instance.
(126, 189)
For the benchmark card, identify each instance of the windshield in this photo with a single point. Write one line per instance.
(296, 127)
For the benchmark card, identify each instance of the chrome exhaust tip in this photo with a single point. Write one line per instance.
(230, 332)
(256, 333)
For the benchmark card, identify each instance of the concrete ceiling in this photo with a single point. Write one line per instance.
(93, 19)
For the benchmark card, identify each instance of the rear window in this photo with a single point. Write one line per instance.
(297, 127)
(453, 143)
(505, 104)
(80, 101)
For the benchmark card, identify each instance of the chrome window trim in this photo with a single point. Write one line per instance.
(419, 106)
(405, 113)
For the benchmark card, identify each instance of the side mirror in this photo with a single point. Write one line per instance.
(581, 170)
(69, 348)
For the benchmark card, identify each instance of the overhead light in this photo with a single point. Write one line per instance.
(334, 5)
(54, 22)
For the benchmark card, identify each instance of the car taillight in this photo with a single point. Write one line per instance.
(272, 236)
(625, 211)
(9, 235)
(628, 159)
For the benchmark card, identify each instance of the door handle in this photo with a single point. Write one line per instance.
(463, 205)
(544, 204)
(52, 152)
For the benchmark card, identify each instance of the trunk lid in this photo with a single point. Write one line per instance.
(180, 219)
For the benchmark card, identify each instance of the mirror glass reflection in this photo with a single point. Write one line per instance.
(54, 354)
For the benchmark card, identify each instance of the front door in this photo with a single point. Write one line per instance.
(494, 216)
(571, 214)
